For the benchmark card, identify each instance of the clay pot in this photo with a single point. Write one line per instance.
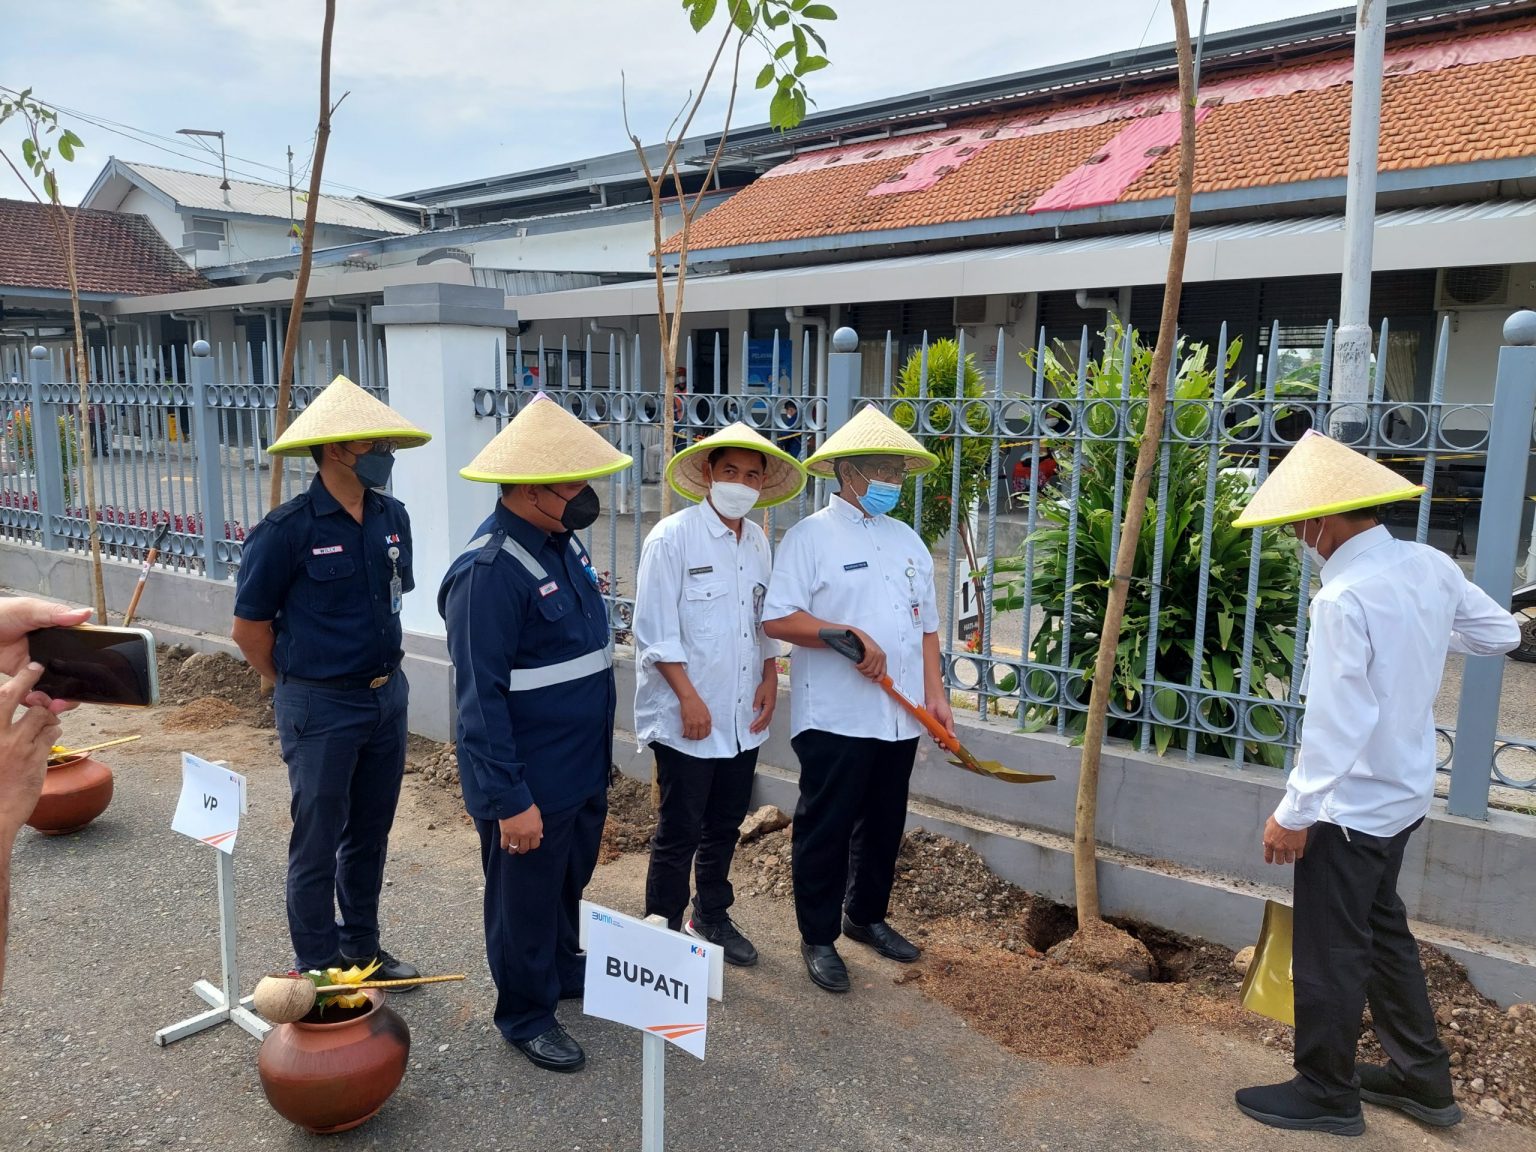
(75, 792)
(328, 1077)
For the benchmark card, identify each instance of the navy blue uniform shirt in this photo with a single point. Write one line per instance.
(323, 580)
(546, 744)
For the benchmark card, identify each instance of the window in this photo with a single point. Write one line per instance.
(211, 227)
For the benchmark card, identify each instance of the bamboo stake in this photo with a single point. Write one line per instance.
(1084, 839)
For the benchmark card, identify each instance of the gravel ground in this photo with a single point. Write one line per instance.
(123, 915)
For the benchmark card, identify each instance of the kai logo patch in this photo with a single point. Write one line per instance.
(392, 538)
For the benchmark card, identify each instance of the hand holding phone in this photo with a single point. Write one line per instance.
(97, 665)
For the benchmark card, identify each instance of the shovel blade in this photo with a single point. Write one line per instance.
(1000, 771)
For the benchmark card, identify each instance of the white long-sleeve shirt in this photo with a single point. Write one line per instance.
(868, 572)
(699, 602)
(1388, 612)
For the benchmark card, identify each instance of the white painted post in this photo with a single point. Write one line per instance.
(1352, 342)
(442, 341)
(653, 1093)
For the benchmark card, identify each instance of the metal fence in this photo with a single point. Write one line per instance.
(174, 435)
(1030, 506)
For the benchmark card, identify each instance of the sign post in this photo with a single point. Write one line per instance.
(212, 802)
(642, 974)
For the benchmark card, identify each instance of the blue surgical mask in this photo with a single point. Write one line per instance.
(880, 497)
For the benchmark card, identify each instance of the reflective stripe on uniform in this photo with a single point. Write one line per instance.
(527, 679)
(515, 550)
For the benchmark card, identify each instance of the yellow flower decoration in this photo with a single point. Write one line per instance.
(352, 975)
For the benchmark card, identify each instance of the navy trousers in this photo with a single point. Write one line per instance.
(1351, 947)
(847, 829)
(531, 904)
(345, 753)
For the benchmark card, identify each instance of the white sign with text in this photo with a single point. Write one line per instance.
(212, 799)
(648, 977)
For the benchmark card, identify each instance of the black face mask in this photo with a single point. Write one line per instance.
(581, 510)
(373, 467)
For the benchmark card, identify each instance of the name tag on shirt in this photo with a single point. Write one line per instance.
(855, 567)
(704, 571)
(331, 551)
(547, 589)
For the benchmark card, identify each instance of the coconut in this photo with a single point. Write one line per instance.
(284, 999)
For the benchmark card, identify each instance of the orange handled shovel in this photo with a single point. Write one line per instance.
(149, 562)
(845, 643)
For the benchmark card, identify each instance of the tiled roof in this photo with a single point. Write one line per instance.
(1447, 99)
(116, 252)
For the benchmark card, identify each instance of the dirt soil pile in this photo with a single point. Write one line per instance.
(186, 676)
(205, 714)
(631, 820)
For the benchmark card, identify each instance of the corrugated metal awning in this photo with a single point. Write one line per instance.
(1494, 232)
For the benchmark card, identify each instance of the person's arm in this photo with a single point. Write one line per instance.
(255, 639)
(1481, 627)
(658, 630)
(25, 742)
(1340, 715)
(935, 694)
(482, 654)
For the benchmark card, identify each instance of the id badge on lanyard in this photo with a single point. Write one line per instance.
(396, 585)
(916, 604)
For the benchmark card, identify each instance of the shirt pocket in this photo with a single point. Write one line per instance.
(703, 606)
(332, 578)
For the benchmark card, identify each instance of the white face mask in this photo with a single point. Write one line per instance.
(732, 501)
(1317, 557)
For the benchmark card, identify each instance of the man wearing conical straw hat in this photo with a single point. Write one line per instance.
(706, 678)
(533, 661)
(850, 566)
(317, 613)
(1379, 630)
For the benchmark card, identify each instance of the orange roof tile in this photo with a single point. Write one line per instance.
(1446, 100)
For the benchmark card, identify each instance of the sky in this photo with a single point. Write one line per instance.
(439, 91)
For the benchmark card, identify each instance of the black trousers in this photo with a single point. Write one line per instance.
(345, 752)
(532, 938)
(1351, 946)
(703, 802)
(848, 825)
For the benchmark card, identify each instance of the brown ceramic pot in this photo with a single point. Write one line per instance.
(75, 792)
(331, 1077)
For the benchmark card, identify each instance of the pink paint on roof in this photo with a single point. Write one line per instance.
(944, 148)
(1115, 167)
(928, 169)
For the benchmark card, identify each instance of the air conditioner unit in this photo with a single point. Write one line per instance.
(1472, 286)
(202, 241)
(970, 311)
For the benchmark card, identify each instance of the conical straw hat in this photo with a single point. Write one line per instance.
(1320, 477)
(344, 412)
(545, 444)
(871, 433)
(784, 477)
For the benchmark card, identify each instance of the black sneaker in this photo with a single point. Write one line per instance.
(1379, 1084)
(389, 968)
(1282, 1106)
(728, 938)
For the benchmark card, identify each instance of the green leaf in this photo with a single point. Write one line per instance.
(781, 109)
(818, 12)
(701, 13)
(784, 49)
(66, 149)
(1224, 622)
(801, 48)
(742, 16)
(765, 77)
(29, 152)
(811, 64)
(51, 186)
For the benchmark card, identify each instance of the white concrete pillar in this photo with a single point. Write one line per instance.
(442, 342)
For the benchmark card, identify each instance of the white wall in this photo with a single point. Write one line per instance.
(614, 248)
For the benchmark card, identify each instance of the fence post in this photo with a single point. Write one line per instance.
(1498, 531)
(47, 454)
(845, 369)
(210, 459)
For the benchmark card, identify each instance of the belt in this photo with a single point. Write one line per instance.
(342, 683)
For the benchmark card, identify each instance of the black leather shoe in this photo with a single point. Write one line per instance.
(727, 937)
(554, 1051)
(825, 966)
(1282, 1106)
(389, 969)
(1380, 1084)
(883, 939)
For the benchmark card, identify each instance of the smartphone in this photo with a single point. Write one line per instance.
(97, 665)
